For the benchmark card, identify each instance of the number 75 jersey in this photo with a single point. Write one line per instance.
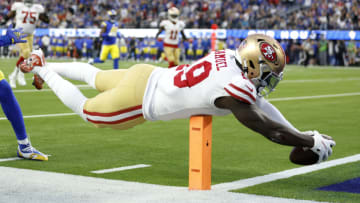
(27, 17)
(187, 90)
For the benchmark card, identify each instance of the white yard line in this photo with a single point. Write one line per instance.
(284, 174)
(315, 97)
(274, 99)
(45, 115)
(124, 168)
(10, 159)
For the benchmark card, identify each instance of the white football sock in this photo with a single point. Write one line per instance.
(14, 73)
(68, 93)
(24, 141)
(76, 71)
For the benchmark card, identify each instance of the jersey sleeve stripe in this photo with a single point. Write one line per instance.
(237, 96)
(243, 91)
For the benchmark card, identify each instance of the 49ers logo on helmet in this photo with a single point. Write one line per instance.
(268, 51)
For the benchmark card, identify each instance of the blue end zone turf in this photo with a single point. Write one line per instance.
(352, 186)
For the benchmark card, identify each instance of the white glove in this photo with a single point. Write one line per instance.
(322, 145)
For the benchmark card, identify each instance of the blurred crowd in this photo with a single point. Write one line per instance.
(229, 14)
(305, 52)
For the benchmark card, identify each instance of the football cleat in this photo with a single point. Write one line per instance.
(29, 152)
(37, 82)
(36, 59)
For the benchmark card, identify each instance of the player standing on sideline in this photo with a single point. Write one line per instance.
(109, 34)
(221, 83)
(26, 14)
(11, 107)
(172, 28)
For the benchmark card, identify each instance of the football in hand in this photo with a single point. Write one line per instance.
(303, 157)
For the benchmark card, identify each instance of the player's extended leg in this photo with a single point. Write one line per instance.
(13, 113)
(88, 73)
(68, 93)
(76, 71)
(120, 107)
(170, 56)
(105, 49)
(177, 56)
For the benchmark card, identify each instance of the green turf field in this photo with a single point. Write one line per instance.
(77, 147)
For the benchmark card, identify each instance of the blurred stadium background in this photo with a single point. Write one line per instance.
(318, 34)
(322, 32)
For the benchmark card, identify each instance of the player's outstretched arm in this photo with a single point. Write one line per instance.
(273, 112)
(254, 118)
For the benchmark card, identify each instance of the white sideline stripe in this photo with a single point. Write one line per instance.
(10, 159)
(76, 188)
(315, 97)
(124, 168)
(284, 174)
(275, 99)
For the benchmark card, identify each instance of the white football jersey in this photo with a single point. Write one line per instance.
(187, 90)
(27, 17)
(172, 31)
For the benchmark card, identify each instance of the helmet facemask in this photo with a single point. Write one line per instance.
(267, 80)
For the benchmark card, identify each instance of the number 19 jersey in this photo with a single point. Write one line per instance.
(187, 90)
(27, 17)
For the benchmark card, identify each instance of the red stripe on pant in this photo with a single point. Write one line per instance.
(118, 121)
(113, 113)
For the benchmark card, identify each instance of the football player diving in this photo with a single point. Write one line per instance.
(11, 107)
(221, 83)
